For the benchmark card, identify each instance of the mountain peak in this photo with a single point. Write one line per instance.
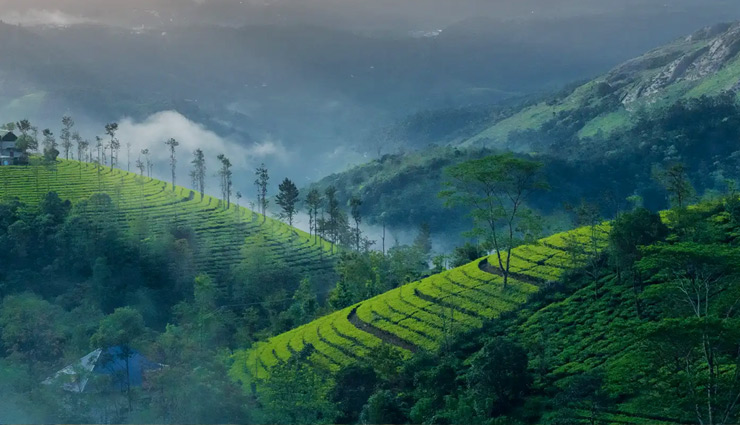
(701, 55)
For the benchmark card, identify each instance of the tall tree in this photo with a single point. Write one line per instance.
(173, 144)
(261, 182)
(313, 202)
(355, 203)
(332, 208)
(287, 199)
(66, 135)
(50, 142)
(226, 179)
(675, 181)
(82, 146)
(25, 142)
(50, 147)
(141, 166)
(199, 172)
(128, 156)
(114, 144)
(495, 188)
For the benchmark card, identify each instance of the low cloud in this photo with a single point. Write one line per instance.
(43, 17)
(154, 131)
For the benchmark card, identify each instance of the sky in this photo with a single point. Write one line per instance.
(359, 14)
(671, 18)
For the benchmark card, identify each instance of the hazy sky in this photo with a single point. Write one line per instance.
(359, 14)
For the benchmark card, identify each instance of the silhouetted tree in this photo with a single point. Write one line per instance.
(226, 183)
(355, 203)
(173, 144)
(50, 141)
(99, 147)
(261, 182)
(313, 202)
(287, 198)
(199, 172)
(332, 208)
(114, 144)
(66, 135)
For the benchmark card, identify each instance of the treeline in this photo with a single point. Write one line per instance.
(327, 217)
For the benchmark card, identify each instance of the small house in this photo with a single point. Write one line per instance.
(9, 155)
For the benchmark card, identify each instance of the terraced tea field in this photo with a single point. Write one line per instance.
(421, 315)
(150, 207)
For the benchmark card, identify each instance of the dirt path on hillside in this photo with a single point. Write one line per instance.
(384, 335)
(487, 267)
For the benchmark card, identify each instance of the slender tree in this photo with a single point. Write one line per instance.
(495, 188)
(99, 147)
(261, 182)
(173, 144)
(35, 137)
(226, 182)
(128, 156)
(332, 208)
(355, 203)
(287, 199)
(114, 144)
(82, 146)
(50, 142)
(50, 147)
(141, 166)
(313, 202)
(78, 141)
(148, 162)
(66, 135)
(198, 173)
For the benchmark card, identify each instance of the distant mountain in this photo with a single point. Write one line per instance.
(706, 63)
(322, 93)
(600, 141)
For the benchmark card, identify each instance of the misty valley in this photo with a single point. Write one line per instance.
(359, 212)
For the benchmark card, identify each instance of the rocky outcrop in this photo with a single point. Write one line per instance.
(691, 59)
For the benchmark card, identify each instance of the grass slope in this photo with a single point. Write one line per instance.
(151, 207)
(420, 315)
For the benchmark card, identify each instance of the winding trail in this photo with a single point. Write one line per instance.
(384, 335)
(393, 339)
(487, 267)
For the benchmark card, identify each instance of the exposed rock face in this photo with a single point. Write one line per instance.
(694, 58)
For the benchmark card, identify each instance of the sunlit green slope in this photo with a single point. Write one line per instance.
(150, 207)
(422, 315)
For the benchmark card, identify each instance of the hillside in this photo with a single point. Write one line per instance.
(150, 208)
(677, 103)
(422, 315)
(632, 332)
(706, 63)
